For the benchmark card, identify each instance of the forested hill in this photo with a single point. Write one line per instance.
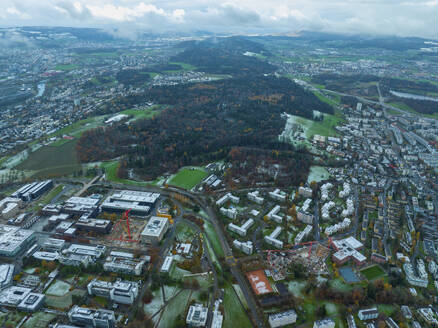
(203, 123)
(225, 56)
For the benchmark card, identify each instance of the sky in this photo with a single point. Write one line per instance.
(129, 17)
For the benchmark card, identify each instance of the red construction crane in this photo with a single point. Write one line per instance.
(126, 228)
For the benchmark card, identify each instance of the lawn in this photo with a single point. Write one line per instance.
(55, 191)
(407, 108)
(111, 174)
(234, 315)
(188, 178)
(373, 272)
(325, 127)
(184, 67)
(142, 113)
(214, 238)
(58, 288)
(49, 161)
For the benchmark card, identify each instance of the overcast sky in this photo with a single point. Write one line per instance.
(390, 17)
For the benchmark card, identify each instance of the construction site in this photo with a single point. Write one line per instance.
(311, 255)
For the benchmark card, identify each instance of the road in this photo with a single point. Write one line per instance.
(211, 217)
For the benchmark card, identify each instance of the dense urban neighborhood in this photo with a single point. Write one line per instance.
(236, 182)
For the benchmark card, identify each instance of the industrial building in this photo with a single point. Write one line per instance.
(32, 191)
(155, 229)
(197, 316)
(282, 319)
(138, 202)
(122, 262)
(98, 318)
(6, 275)
(9, 207)
(123, 292)
(96, 225)
(14, 240)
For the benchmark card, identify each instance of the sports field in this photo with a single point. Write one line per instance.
(188, 178)
(373, 272)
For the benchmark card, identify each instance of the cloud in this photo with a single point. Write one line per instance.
(404, 18)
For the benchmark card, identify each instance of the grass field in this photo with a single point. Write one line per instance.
(111, 174)
(184, 67)
(234, 315)
(373, 272)
(324, 127)
(211, 233)
(49, 161)
(188, 178)
(39, 319)
(142, 113)
(406, 108)
(55, 191)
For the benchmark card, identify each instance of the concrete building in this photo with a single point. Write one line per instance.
(218, 318)
(14, 240)
(412, 277)
(368, 314)
(277, 195)
(347, 249)
(32, 302)
(305, 217)
(167, 264)
(282, 319)
(54, 244)
(350, 321)
(139, 202)
(245, 247)
(303, 234)
(6, 275)
(197, 316)
(428, 315)
(241, 230)
(97, 225)
(229, 212)
(13, 295)
(254, 196)
(123, 292)
(155, 229)
(272, 238)
(125, 263)
(98, 318)
(305, 191)
(32, 191)
(227, 197)
(324, 323)
(9, 207)
(273, 214)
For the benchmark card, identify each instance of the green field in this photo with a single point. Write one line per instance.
(188, 178)
(67, 67)
(76, 129)
(234, 315)
(373, 272)
(50, 161)
(111, 174)
(39, 319)
(184, 66)
(214, 238)
(142, 113)
(406, 108)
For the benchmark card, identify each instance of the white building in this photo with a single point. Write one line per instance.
(218, 318)
(346, 191)
(14, 240)
(324, 323)
(282, 319)
(350, 208)
(325, 189)
(368, 314)
(229, 212)
(241, 230)
(167, 264)
(227, 197)
(122, 262)
(272, 238)
(98, 318)
(305, 191)
(325, 210)
(245, 247)
(6, 275)
(155, 229)
(330, 230)
(303, 234)
(277, 195)
(254, 196)
(197, 316)
(123, 292)
(412, 278)
(273, 214)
